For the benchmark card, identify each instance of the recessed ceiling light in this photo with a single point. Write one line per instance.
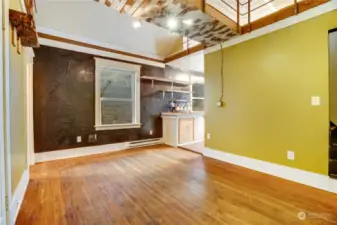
(172, 23)
(188, 22)
(136, 24)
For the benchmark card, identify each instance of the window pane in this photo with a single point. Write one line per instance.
(198, 105)
(116, 83)
(116, 112)
(198, 90)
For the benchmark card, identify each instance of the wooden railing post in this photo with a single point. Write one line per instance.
(296, 7)
(249, 22)
(238, 27)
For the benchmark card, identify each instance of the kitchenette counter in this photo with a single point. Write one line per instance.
(181, 129)
(182, 114)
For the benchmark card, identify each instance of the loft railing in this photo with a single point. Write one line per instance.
(244, 14)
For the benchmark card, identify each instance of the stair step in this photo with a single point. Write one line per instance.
(333, 153)
(333, 167)
(333, 176)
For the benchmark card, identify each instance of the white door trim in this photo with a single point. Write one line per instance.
(6, 104)
(2, 129)
(29, 107)
(5, 163)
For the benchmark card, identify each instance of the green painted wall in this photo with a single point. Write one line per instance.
(268, 84)
(18, 110)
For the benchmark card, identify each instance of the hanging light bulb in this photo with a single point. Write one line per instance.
(137, 24)
(172, 23)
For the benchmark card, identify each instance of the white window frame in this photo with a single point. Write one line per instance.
(104, 63)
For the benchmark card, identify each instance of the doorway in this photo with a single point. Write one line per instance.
(333, 103)
(2, 128)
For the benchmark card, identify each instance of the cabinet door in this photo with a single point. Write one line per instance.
(199, 129)
(186, 130)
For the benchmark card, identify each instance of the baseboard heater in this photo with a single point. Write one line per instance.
(147, 142)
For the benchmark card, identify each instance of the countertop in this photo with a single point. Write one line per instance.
(182, 114)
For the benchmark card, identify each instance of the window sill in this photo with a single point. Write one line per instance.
(118, 126)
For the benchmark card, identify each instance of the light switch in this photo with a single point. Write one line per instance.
(315, 100)
(79, 139)
(208, 136)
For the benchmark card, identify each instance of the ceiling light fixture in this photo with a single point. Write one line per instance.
(136, 24)
(172, 23)
(188, 22)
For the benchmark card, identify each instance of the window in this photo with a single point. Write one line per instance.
(117, 95)
(197, 93)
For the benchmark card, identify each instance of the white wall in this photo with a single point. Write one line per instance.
(193, 62)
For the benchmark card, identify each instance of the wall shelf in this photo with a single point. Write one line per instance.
(176, 91)
(200, 98)
(165, 80)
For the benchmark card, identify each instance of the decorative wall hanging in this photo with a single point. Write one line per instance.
(24, 26)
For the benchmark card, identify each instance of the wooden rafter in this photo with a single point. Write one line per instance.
(142, 3)
(97, 47)
(125, 4)
(184, 53)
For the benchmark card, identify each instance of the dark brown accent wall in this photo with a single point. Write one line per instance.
(64, 101)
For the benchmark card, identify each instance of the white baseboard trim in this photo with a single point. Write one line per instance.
(300, 176)
(18, 196)
(190, 143)
(91, 150)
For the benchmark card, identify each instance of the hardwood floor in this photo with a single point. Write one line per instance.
(163, 185)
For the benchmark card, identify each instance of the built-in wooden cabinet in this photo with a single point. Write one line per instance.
(180, 128)
(199, 128)
(186, 130)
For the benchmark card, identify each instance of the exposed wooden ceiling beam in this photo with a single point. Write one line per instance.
(82, 44)
(184, 53)
(142, 3)
(125, 4)
(97, 47)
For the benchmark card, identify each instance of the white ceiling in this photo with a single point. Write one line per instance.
(193, 62)
(97, 24)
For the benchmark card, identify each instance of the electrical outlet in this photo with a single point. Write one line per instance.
(79, 139)
(208, 136)
(151, 132)
(92, 138)
(291, 155)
